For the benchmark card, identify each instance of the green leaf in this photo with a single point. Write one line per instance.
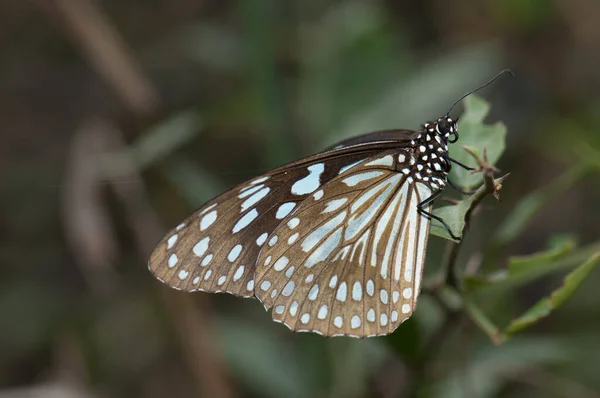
(521, 264)
(544, 307)
(523, 268)
(477, 136)
(454, 216)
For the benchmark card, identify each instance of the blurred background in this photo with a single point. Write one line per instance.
(119, 118)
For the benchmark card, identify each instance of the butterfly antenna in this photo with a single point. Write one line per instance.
(493, 79)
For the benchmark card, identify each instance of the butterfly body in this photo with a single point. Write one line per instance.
(333, 243)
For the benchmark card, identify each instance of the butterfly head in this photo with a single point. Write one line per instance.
(447, 128)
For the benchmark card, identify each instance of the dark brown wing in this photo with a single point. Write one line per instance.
(401, 137)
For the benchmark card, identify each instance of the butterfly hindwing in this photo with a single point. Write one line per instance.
(215, 249)
(349, 260)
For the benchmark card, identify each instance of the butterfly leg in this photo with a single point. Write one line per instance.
(460, 164)
(431, 216)
(457, 189)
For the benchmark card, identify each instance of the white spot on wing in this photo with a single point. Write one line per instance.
(408, 239)
(281, 263)
(206, 260)
(234, 253)
(384, 161)
(371, 315)
(247, 192)
(318, 234)
(338, 321)
(348, 167)
(200, 248)
(293, 238)
(294, 308)
(259, 180)
(288, 289)
(370, 287)
(383, 295)
(208, 220)
(284, 210)
(333, 281)
(383, 319)
(358, 221)
(252, 200)
(322, 314)
(357, 291)
(245, 220)
(293, 223)
(183, 274)
(289, 272)
(314, 292)
(322, 252)
(334, 204)
(341, 292)
(171, 241)
(311, 182)
(357, 178)
(173, 260)
(206, 209)
(355, 322)
(238, 273)
(261, 239)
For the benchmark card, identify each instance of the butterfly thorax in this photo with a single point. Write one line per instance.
(426, 159)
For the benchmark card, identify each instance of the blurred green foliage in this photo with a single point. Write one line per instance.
(247, 85)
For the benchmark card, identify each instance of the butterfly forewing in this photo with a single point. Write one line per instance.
(349, 260)
(216, 248)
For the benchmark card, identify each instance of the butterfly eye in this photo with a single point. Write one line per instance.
(444, 126)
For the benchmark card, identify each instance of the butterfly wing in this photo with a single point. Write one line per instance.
(215, 249)
(402, 137)
(349, 260)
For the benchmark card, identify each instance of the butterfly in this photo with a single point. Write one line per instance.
(334, 243)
